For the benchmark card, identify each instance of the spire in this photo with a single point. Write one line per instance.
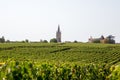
(58, 28)
(58, 34)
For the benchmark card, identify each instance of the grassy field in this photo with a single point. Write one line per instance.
(59, 61)
(65, 52)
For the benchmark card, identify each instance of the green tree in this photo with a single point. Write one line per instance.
(26, 40)
(2, 40)
(45, 41)
(53, 40)
(110, 39)
(75, 41)
(8, 41)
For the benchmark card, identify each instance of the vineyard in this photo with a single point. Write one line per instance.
(59, 61)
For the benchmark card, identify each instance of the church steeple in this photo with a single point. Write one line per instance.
(58, 34)
(58, 28)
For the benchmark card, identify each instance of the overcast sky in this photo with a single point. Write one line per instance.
(78, 19)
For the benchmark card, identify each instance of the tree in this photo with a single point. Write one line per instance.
(110, 39)
(8, 41)
(45, 41)
(54, 40)
(2, 40)
(26, 40)
(23, 41)
(75, 41)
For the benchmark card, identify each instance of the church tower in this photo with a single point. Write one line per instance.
(58, 34)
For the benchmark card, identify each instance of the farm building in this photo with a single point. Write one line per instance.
(109, 39)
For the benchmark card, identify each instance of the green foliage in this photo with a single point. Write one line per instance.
(111, 41)
(45, 41)
(54, 40)
(2, 40)
(75, 41)
(115, 72)
(69, 52)
(27, 70)
(26, 40)
(8, 41)
(59, 61)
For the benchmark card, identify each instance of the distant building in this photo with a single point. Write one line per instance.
(109, 40)
(58, 34)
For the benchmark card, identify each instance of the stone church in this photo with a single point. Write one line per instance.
(58, 34)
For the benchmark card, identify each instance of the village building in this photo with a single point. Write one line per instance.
(109, 39)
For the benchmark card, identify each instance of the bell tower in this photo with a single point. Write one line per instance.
(58, 34)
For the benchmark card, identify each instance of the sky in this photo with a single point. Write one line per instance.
(78, 19)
